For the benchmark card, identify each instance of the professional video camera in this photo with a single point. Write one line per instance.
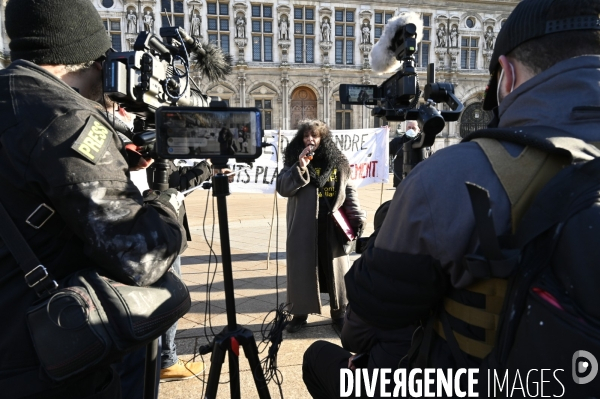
(397, 99)
(153, 81)
(157, 73)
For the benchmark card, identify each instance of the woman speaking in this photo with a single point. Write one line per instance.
(315, 179)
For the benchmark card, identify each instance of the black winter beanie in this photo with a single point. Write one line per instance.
(55, 32)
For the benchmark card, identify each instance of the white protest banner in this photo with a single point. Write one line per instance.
(366, 149)
(367, 152)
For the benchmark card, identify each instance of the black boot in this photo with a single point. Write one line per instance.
(297, 323)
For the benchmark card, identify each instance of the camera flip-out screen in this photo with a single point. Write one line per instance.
(358, 94)
(192, 132)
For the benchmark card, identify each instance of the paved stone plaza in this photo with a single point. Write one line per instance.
(257, 277)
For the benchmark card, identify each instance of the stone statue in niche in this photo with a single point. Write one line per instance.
(489, 38)
(148, 22)
(326, 30)
(441, 35)
(131, 22)
(240, 27)
(195, 23)
(283, 28)
(366, 33)
(454, 36)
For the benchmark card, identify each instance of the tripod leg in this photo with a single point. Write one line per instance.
(251, 351)
(150, 375)
(216, 362)
(234, 375)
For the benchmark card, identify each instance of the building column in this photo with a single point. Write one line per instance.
(242, 80)
(366, 112)
(326, 100)
(285, 107)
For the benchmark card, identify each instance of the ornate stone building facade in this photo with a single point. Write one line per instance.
(290, 57)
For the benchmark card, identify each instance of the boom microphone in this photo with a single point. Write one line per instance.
(383, 56)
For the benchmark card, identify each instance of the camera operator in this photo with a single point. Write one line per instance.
(412, 130)
(57, 149)
(538, 79)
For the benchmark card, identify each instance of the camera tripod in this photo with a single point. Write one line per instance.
(233, 335)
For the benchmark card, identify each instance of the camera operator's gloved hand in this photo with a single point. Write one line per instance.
(190, 177)
(169, 198)
(135, 159)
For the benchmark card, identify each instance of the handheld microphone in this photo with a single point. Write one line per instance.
(383, 56)
(311, 154)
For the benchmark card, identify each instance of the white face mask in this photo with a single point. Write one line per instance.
(500, 80)
(411, 133)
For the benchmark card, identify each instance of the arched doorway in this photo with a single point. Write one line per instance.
(474, 118)
(303, 106)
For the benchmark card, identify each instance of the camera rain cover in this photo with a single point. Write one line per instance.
(194, 132)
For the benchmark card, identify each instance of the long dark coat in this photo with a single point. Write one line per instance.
(303, 287)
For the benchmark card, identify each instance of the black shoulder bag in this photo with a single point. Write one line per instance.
(89, 320)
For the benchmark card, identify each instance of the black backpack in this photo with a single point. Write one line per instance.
(552, 263)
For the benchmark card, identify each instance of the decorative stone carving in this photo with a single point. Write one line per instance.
(325, 48)
(284, 45)
(131, 41)
(366, 48)
(454, 54)
(441, 52)
(241, 43)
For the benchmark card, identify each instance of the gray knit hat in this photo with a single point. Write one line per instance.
(528, 21)
(55, 31)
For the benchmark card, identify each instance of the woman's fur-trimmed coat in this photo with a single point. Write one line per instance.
(293, 182)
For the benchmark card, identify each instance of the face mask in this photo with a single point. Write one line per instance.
(411, 133)
(500, 80)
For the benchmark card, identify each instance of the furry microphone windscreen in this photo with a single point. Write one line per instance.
(213, 63)
(382, 58)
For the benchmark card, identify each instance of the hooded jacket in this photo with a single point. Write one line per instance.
(429, 227)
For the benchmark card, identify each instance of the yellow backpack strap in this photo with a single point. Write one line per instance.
(522, 177)
(486, 318)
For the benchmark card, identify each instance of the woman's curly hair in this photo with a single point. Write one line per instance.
(312, 125)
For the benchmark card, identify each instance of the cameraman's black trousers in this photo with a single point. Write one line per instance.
(321, 369)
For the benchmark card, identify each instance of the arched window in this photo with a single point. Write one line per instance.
(474, 118)
(108, 3)
(303, 106)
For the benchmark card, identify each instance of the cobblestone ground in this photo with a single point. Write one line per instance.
(257, 239)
